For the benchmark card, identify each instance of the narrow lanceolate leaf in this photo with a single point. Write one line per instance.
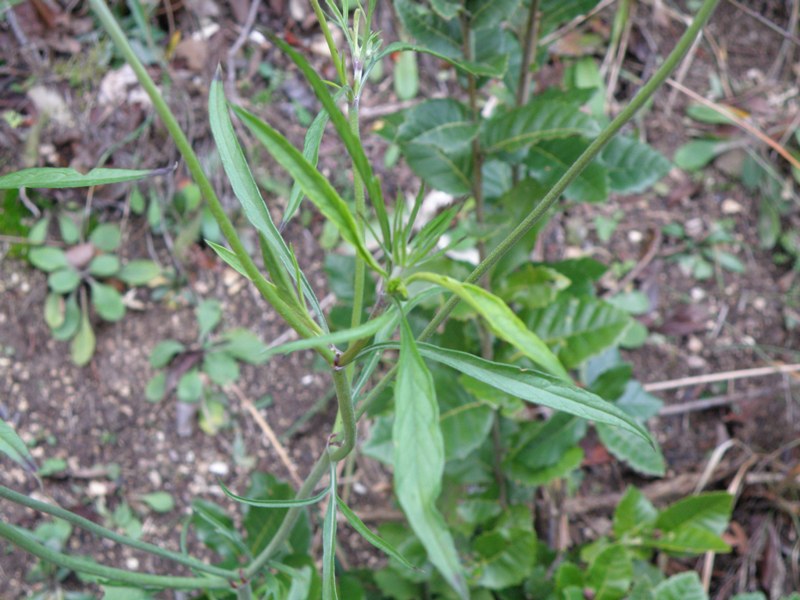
(371, 537)
(531, 386)
(14, 448)
(52, 177)
(419, 460)
(494, 67)
(315, 186)
(501, 320)
(350, 140)
(246, 190)
(229, 257)
(545, 118)
(329, 543)
(275, 503)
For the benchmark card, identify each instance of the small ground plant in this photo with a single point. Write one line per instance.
(447, 357)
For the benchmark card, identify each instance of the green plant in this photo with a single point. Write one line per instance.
(700, 252)
(190, 371)
(466, 462)
(83, 274)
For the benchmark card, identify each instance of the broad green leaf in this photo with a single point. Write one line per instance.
(533, 286)
(634, 513)
(190, 386)
(156, 388)
(107, 302)
(610, 573)
(441, 170)
(14, 448)
(489, 13)
(419, 460)
(107, 237)
(229, 257)
(329, 542)
(164, 352)
(244, 345)
(531, 386)
(278, 503)
(54, 310)
(161, 502)
(633, 450)
(446, 9)
(51, 177)
(246, 190)
(546, 117)
(685, 586)
(429, 29)
(632, 166)
(501, 320)
(314, 185)
(104, 265)
(139, 272)
(464, 420)
(82, 347)
(689, 539)
(47, 258)
(38, 233)
(710, 511)
(504, 557)
(578, 328)
(220, 367)
(566, 463)
(72, 320)
(64, 281)
(370, 536)
(557, 12)
(542, 451)
(550, 159)
(442, 123)
(69, 231)
(406, 76)
(209, 313)
(696, 154)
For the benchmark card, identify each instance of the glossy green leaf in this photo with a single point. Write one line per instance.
(14, 448)
(68, 230)
(546, 117)
(633, 450)
(547, 161)
(54, 310)
(632, 166)
(532, 386)
(277, 503)
(107, 302)
(329, 542)
(139, 272)
(190, 386)
(709, 511)
(64, 281)
(696, 154)
(106, 237)
(104, 265)
(220, 367)
(634, 513)
(52, 177)
(370, 536)
(156, 388)
(314, 185)
(578, 328)
(610, 573)
(47, 258)
(245, 188)
(501, 320)
(419, 460)
(83, 344)
(160, 502)
(684, 586)
(209, 314)
(164, 352)
(72, 320)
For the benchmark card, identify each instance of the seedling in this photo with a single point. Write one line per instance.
(699, 253)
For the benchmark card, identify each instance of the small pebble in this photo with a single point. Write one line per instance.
(759, 304)
(132, 563)
(307, 379)
(731, 206)
(218, 468)
(635, 236)
(96, 489)
(697, 293)
(694, 345)
(696, 362)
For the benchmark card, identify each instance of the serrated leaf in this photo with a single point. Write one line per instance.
(578, 328)
(139, 272)
(419, 460)
(436, 34)
(685, 586)
(314, 185)
(370, 536)
(501, 321)
(546, 117)
(220, 367)
(161, 502)
(52, 177)
(632, 166)
(107, 302)
(156, 388)
(54, 310)
(14, 448)
(633, 450)
(82, 347)
(442, 123)
(190, 386)
(550, 159)
(64, 281)
(209, 313)
(445, 171)
(106, 237)
(47, 258)
(104, 265)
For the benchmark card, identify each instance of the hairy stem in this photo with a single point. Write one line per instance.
(82, 565)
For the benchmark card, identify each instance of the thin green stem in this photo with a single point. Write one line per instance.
(664, 71)
(57, 511)
(83, 565)
(341, 383)
(529, 47)
(298, 320)
(359, 284)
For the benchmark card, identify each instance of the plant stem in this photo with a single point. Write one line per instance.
(82, 565)
(346, 414)
(299, 321)
(101, 531)
(359, 284)
(644, 94)
(529, 47)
